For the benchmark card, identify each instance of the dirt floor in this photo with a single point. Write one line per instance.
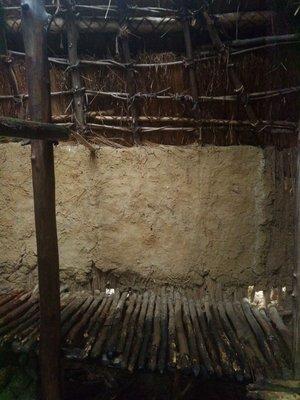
(176, 215)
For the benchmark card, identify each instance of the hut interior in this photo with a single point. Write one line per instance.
(175, 126)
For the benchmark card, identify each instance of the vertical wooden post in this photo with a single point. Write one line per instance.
(233, 76)
(189, 50)
(296, 276)
(130, 78)
(72, 36)
(34, 25)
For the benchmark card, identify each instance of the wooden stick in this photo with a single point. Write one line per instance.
(14, 127)
(72, 39)
(130, 73)
(34, 19)
(111, 347)
(163, 347)
(280, 326)
(259, 334)
(139, 333)
(100, 337)
(156, 337)
(173, 350)
(148, 25)
(234, 78)
(131, 331)
(147, 331)
(194, 355)
(296, 275)
(184, 361)
(106, 329)
(264, 41)
(125, 325)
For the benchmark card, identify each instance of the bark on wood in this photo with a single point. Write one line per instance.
(234, 78)
(296, 275)
(34, 23)
(156, 337)
(147, 331)
(163, 347)
(72, 39)
(142, 25)
(13, 127)
(131, 331)
(98, 341)
(111, 347)
(139, 333)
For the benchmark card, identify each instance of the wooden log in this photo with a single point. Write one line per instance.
(142, 25)
(18, 325)
(7, 298)
(106, 329)
(184, 361)
(71, 321)
(13, 303)
(139, 333)
(173, 349)
(130, 72)
(131, 331)
(272, 338)
(296, 274)
(280, 326)
(233, 76)
(76, 332)
(125, 325)
(259, 334)
(34, 21)
(194, 355)
(234, 340)
(204, 356)
(217, 340)
(111, 347)
(156, 337)
(162, 357)
(147, 331)
(208, 340)
(13, 315)
(78, 91)
(94, 326)
(255, 366)
(14, 127)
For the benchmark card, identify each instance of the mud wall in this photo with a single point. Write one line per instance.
(156, 215)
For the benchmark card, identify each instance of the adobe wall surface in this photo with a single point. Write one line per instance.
(176, 215)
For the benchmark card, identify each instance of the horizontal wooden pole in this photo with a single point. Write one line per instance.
(14, 127)
(146, 25)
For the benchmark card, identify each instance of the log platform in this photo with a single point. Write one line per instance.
(158, 332)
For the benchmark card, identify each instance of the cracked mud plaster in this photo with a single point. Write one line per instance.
(168, 214)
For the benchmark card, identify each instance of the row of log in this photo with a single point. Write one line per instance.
(158, 332)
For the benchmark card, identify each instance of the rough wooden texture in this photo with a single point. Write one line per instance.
(13, 127)
(296, 281)
(34, 23)
(221, 341)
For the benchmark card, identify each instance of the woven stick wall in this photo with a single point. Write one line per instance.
(167, 72)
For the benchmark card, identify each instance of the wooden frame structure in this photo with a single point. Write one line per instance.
(35, 23)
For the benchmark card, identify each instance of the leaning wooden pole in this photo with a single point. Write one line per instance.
(296, 276)
(34, 26)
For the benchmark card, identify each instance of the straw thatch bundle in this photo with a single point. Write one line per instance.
(153, 93)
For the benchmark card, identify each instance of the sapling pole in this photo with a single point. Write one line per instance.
(34, 26)
(296, 275)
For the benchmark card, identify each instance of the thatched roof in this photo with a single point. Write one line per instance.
(149, 91)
